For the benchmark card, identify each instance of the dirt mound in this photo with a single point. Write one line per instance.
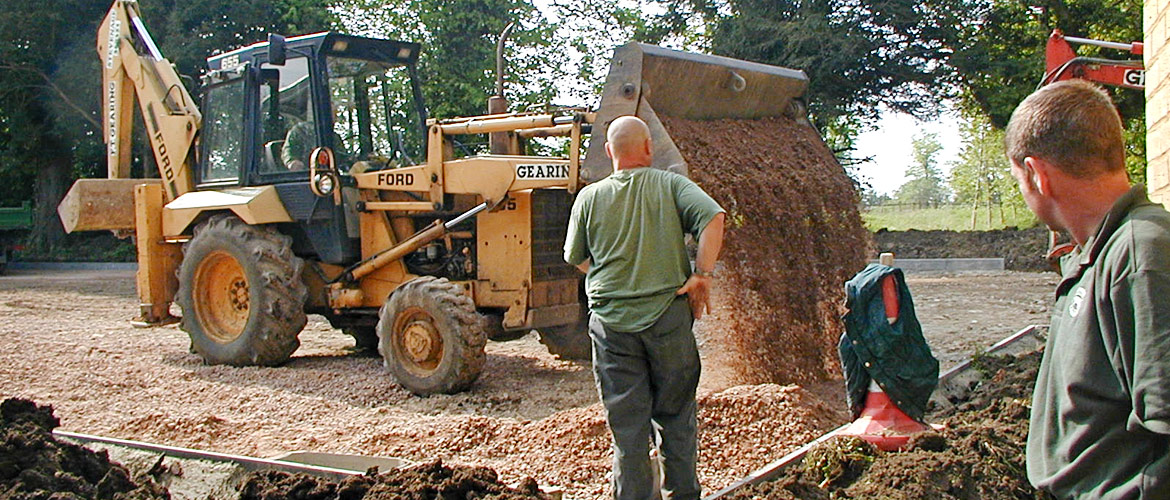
(794, 236)
(980, 453)
(422, 482)
(35, 465)
(1021, 249)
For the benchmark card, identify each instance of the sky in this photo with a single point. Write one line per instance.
(890, 146)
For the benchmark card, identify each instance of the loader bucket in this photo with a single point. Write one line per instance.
(651, 82)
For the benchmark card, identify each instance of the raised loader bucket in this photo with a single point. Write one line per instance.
(650, 82)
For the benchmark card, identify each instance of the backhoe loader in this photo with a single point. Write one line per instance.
(311, 180)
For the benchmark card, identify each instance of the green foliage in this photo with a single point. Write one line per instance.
(999, 55)
(896, 217)
(925, 185)
(458, 61)
(857, 54)
(982, 176)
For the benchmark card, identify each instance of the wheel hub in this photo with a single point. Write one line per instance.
(221, 298)
(418, 342)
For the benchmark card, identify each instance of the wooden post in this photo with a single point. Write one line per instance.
(886, 259)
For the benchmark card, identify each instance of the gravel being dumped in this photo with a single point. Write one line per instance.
(794, 236)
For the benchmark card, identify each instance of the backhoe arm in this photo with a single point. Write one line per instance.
(132, 66)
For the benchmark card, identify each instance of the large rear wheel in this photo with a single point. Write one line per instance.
(241, 293)
(430, 336)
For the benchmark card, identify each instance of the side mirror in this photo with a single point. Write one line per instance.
(276, 50)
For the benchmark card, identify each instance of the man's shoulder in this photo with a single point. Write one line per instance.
(1143, 238)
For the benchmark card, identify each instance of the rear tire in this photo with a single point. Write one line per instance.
(431, 338)
(241, 293)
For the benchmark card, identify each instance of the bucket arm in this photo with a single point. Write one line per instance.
(1062, 63)
(132, 66)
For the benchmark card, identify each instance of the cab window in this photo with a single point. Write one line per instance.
(223, 132)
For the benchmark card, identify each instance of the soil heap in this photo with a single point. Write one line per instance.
(980, 453)
(35, 465)
(794, 236)
(1021, 249)
(427, 481)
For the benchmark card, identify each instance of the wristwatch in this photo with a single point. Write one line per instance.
(705, 274)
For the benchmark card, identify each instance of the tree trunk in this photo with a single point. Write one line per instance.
(51, 185)
(974, 213)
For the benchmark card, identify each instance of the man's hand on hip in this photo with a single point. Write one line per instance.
(698, 292)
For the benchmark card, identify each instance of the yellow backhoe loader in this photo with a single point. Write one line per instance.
(310, 180)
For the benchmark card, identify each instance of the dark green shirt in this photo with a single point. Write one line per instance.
(1100, 424)
(631, 226)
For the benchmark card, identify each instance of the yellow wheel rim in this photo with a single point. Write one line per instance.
(417, 344)
(221, 297)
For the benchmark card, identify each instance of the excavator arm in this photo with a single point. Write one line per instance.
(1062, 63)
(133, 69)
(133, 66)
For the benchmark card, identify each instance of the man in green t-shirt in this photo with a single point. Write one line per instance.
(626, 232)
(1100, 423)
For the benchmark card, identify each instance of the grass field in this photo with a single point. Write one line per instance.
(952, 217)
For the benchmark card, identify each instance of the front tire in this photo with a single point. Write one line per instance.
(241, 293)
(431, 338)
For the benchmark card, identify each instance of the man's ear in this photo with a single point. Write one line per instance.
(649, 147)
(608, 150)
(1039, 173)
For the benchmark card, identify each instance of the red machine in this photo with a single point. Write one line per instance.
(1062, 63)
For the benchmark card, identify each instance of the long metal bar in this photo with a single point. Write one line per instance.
(249, 463)
(507, 124)
(1100, 43)
(431, 233)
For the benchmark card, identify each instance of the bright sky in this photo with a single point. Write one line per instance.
(890, 146)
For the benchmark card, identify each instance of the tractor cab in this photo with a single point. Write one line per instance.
(316, 110)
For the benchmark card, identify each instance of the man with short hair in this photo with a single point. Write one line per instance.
(1100, 423)
(626, 232)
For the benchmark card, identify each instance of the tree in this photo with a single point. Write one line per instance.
(982, 175)
(38, 152)
(858, 54)
(998, 55)
(925, 186)
(50, 129)
(459, 37)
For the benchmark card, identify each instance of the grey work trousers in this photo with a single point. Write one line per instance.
(647, 382)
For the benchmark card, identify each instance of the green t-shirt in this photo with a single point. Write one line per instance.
(1100, 424)
(631, 226)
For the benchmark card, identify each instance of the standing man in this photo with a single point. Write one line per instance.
(626, 232)
(1100, 424)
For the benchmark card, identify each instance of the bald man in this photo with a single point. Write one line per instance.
(626, 232)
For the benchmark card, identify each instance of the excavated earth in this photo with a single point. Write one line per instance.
(1021, 249)
(979, 454)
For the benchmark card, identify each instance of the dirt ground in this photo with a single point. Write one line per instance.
(68, 343)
